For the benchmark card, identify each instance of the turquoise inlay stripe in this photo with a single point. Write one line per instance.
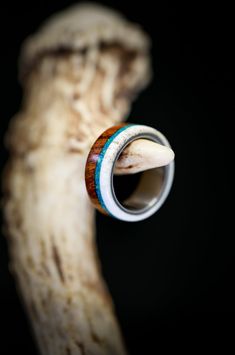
(99, 163)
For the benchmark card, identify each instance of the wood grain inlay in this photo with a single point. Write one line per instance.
(91, 164)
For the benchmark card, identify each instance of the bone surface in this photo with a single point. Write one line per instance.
(80, 73)
(142, 155)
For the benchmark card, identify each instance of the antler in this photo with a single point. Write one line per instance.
(80, 73)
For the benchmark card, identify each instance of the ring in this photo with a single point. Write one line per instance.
(153, 187)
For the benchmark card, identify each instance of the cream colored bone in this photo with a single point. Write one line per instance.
(80, 73)
(142, 155)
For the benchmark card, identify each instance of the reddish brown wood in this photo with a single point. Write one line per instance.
(92, 161)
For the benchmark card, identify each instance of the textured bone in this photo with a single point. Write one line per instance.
(79, 73)
(142, 155)
(79, 27)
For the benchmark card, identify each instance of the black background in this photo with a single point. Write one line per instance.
(172, 275)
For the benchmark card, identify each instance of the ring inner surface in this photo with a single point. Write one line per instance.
(142, 190)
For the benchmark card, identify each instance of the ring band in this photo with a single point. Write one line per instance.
(154, 185)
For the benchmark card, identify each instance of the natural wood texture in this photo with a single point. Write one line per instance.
(138, 156)
(79, 73)
(92, 161)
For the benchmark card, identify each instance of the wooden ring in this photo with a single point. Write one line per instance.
(154, 185)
